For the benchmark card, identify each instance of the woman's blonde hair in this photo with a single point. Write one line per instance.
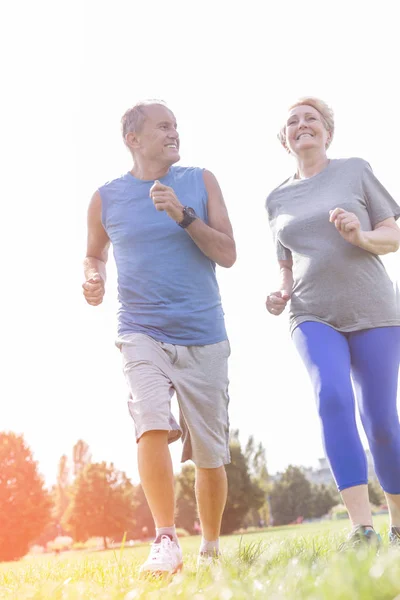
(324, 110)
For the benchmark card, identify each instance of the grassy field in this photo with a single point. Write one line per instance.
(282, 563)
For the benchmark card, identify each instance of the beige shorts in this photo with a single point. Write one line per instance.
(199, 376)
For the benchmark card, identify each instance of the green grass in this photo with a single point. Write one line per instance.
(287, 563)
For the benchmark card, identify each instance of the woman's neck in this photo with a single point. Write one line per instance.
(310, 165)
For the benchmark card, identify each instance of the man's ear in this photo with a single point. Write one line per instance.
(131, 140)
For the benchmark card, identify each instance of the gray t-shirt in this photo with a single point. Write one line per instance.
(335, 282)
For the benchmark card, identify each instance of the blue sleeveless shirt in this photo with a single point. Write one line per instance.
(167, 288)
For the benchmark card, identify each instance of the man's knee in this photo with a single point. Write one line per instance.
(154, 436)
(211, 470)
(214, 474)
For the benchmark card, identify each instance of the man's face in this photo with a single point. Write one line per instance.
(158, 139)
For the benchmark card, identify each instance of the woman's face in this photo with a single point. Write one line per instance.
(305, 130)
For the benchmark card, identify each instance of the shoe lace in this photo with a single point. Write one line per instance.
(164, 544)
(395, 532)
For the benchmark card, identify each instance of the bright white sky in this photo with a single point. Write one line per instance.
(228, 71)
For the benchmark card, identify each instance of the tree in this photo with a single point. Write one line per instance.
(101, 504)
(144, 523)
(186, 510)
(60, 495)
(291, 497)
(255, 458)
(322, 500)
(81, 456)
(245, 487)
(375, 492)
(257, 464)
(62, 489)
(243, 493)
(25, 505)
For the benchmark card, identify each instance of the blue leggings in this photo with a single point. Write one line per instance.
(370, 357)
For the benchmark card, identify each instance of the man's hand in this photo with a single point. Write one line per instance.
(277, 301)
(164, 198)
(348, 225)
(94, 289)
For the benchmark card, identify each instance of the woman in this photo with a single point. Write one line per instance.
(330, 222)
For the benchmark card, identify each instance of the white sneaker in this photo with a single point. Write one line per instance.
(164, 557)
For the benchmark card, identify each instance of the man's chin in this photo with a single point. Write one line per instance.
(174, 158)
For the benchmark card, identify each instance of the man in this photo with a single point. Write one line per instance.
(168, 226)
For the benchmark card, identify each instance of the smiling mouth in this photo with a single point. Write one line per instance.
(304, 135)
(172, 146)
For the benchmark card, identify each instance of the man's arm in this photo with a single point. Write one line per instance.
(94, 264)
(215, 240)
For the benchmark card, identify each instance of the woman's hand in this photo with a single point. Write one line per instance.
(277, 301)
(348, 225)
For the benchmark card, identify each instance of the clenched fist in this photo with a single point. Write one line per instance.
(94, 289)
(164, 198)
(277, 301)
(348, 225)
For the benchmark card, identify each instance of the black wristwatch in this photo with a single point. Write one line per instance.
(189, 215)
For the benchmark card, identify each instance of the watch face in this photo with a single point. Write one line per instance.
(189, 215)
(190, 211)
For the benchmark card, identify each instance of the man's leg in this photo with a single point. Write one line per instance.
(211, 494)
(156, 476)
(157, 479)
(146, 367)
(202, 390)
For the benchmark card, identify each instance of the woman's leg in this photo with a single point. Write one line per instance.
(325, 353)
(375, 356)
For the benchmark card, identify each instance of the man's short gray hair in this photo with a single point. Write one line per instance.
(133, 119)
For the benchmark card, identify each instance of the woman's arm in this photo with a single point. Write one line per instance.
(277, 301)
(384, 238)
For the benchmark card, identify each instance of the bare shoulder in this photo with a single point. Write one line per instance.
(98, 240)
(95, 209)
(218, 217)
(210, 181)
(214, 192)
(95, 201)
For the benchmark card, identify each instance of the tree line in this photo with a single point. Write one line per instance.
(95, 499)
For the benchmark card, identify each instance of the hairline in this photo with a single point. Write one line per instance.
(140, 108)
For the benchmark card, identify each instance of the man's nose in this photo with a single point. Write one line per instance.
(172, 133)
